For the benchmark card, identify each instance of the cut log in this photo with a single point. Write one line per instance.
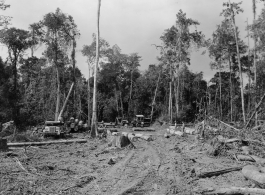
(220, 172)
(179, 133)
(47, 142)
(144, 129)
(171, 131)
(251, 158)
(3, 144)
(255, 174)
(189, 131)
(235, 191)
(146, 137)
(132, 137)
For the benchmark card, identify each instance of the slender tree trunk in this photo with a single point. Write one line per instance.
(94, 132)
(231, 88)
(153, 103)
(117, 102)
(170, 97)
(122, 113)
(130, 100)
(254, 64)
(249, 75)
(74, 79)
(88, 99)
(57, 94)
(15, 109)
(216, 92)
(220, 93)
(239, 64)
(177, 93)
(32, 47)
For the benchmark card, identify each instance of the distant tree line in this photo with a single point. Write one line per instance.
(33, 89)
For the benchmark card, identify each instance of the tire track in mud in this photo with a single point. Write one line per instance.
(156, 168)
(135, 173)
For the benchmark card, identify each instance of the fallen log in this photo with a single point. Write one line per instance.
(146, 137)
(179, 133)
(46, 142)
(131, 136)
(189, 131)
(144, 129)
(220, 172)
(142, 136)
(255, 174)
(224, 123)
(235, 190)
(250, 158)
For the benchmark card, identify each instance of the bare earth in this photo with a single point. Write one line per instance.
(161, 166)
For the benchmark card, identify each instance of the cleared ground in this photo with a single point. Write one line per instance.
(161, 166)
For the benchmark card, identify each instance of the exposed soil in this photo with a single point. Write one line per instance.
(161, 166)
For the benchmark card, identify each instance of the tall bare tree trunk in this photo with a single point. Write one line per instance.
(254, 64)
(231, 88)
(177, 92)
(220, 93)
(32, 47)
(57, 94)
(130, 100)
(239, 64)
(153, 103)
(249, 75)
(216, 92)
(74, 80)
(88, 98)
(122, 113)
(15, 108)
(170, 96)
(94, 115)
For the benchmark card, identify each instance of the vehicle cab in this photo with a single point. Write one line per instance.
(53, 128)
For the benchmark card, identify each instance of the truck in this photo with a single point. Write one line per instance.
(57, 127)
(54, 128)
(141, 121)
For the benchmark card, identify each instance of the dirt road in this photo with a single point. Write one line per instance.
(161, 166)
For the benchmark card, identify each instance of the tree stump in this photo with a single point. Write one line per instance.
(120, 141)
(3, 144)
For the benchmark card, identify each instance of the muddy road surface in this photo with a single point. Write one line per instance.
(162, 166)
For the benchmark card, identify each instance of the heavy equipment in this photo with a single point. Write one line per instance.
(57, 128)
(141, 121)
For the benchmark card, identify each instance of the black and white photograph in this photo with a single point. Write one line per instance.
(132, 97)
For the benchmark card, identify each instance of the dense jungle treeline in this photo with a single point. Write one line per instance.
(33, 89)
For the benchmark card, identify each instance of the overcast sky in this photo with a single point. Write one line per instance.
(131, 24)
